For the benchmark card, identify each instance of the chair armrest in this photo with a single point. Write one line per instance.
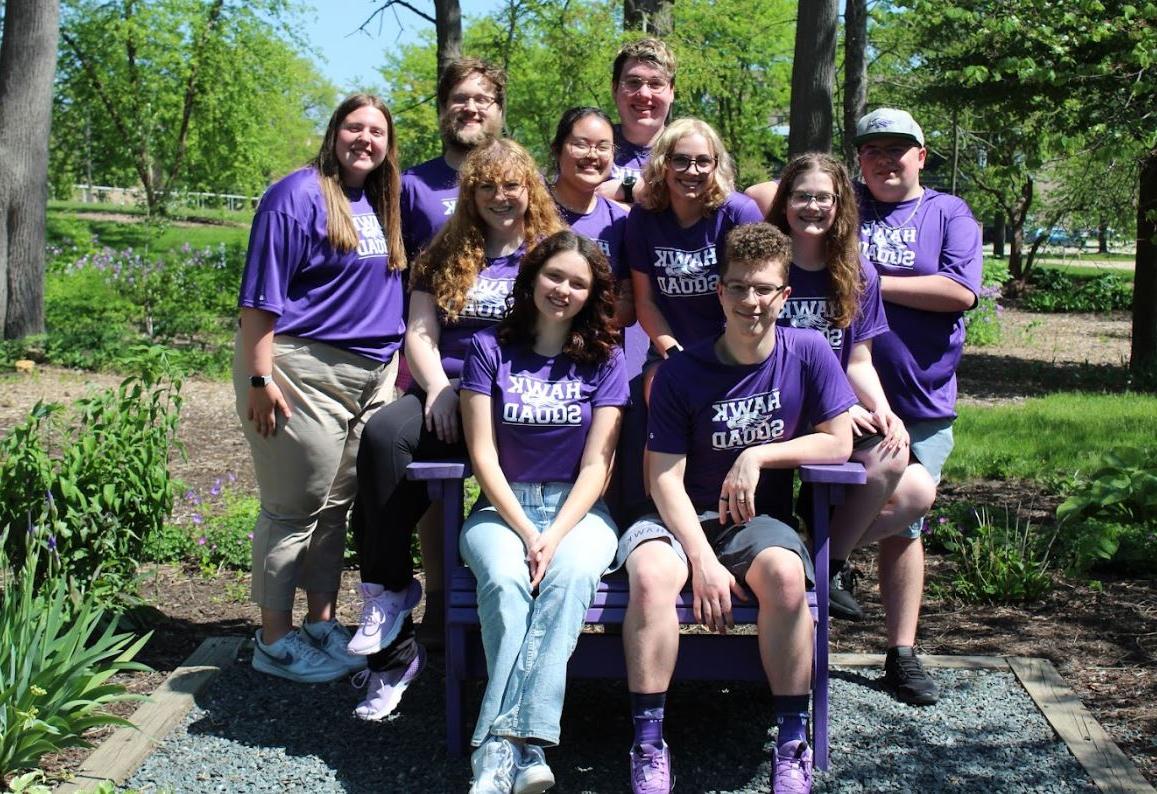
(438, 470)
(850, 473)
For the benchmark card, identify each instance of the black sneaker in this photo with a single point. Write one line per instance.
(842, 603)
(905, 676)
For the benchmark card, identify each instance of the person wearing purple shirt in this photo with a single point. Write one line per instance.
(321, 322)
(471, 99)
(926, 248)
(725, 414)
(643, 85)
(542, 399)
(675, 235)
(837, 294)
(459, 286)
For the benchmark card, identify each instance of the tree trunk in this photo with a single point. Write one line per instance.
(1018, 267)
(1103, 237)
(812, 72)
(448, 27)
(653, 17)
(998, 234)
(27, 68)
(1143, 356)
(855, 74)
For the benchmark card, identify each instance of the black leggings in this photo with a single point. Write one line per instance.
(388, 506)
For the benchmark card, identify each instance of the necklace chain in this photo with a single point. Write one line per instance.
(903, 223)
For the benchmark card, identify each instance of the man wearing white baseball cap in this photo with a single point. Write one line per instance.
(926, 248)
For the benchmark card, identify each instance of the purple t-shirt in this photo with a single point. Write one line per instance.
(683, 265)
(629, 158)
(349, 300)
(428, 196)
(808, 308)
(711, 411)
(542, 406)
(605, 226)
(485, 306)
(933, 235)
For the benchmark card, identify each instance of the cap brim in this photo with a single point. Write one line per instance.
(871, 136)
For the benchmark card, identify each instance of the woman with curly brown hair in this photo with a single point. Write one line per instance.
(459, 286)
(542, 400)
(835, 293)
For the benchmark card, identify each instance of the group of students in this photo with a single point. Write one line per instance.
(549, 324)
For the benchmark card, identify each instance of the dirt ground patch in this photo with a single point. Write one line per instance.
(1102, 639)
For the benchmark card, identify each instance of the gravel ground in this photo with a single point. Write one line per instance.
(249, 732)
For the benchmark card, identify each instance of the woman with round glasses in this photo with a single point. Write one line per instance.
(459, 286)
(835, 293)
(675, 235)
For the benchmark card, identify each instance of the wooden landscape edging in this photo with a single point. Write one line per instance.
(1110, 769)
(118, 756)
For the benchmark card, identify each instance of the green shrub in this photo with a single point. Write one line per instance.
(58, 650)
(996, 562)
(220, 529)
(98, 473)
(983, 322)
(1055, 291)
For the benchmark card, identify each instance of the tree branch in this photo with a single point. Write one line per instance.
(381, 9)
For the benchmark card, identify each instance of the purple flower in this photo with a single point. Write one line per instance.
(216, 489)
(231, 476)
(943, 520)
(52, 542)
(925, 528)
(250, 536)
(191, 497)
(198, 519)
(201, 541)
(49, 500)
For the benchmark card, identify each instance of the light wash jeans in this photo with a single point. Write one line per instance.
(529, 639)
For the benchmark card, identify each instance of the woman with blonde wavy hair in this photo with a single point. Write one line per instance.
(459, 286)
(835, 293)
(675, 235)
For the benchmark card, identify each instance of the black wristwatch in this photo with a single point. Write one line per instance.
(675, 348)
(629, 188)
(260, 381)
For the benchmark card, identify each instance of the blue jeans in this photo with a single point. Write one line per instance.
(529, 639)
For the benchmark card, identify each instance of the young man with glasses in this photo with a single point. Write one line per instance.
(729, 418)
(643, 84)
(926, 248)
(471, 98)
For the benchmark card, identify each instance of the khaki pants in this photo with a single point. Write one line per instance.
(306, 472)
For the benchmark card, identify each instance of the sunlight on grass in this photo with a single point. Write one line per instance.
(1045, 437)
(120, 235)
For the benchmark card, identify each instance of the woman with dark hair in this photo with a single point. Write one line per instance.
(835, 293)
(460, 286)
(321, 320)
(542, 399)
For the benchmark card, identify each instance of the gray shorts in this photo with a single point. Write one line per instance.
(930, 444)
(735, 546)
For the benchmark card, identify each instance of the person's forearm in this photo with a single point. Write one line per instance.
(652, 319)
(679, 516)
(425, 362)
(817, 447)
(931, 293)
(598, 453)
(866, 384)
(257, 340)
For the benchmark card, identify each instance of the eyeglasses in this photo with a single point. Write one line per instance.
(738, 290)
(703, 163)
(579, 148)
(490, 189)
(891, 152)
(481, 101)
(801, 198)
(633, 85)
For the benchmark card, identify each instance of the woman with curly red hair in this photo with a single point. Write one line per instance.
(459, 286)
(542, 400)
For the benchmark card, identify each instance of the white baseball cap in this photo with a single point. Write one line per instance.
(888, 123)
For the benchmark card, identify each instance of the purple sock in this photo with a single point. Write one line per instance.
(791, 716)
(647, 711)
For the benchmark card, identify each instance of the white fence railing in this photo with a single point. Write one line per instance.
(135, 196)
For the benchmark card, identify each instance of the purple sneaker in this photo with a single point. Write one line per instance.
(651, 769)
(791, 768)
(383, 613)
(384, 690)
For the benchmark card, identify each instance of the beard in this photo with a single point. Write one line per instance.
(454, 137)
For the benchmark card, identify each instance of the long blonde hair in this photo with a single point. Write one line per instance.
(721, 184)
(842, 249)
(448, 268)
(382, 187)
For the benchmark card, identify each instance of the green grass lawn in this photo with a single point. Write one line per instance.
(1075, 268)
(177, 213)
(1050, 436)
(64, 226)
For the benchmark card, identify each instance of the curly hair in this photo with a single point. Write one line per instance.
(383, 186)
(722, 183)
(448, 268)
(754, 245)
(845, 276)
(593, 332)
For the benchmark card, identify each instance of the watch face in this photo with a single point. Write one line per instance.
(260, 381)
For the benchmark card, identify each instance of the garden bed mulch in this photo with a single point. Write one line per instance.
(1102, 639)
